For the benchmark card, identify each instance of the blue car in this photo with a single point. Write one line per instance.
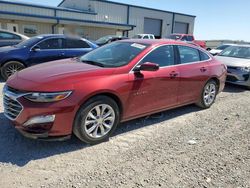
(41, 49)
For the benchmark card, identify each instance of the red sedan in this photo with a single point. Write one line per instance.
(89, 96)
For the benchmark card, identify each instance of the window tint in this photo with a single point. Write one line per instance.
(188, 54)
(76, 43)
(146, 37)
(163, 56)
(6, 36)
(204, 56)
(51, 44)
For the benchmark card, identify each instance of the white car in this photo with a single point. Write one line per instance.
(144, 36)
(237, 60)
(220, 48)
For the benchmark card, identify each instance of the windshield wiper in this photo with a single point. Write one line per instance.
(93, 63)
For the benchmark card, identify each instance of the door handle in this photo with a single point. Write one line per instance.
(173, 74)
(203, 69)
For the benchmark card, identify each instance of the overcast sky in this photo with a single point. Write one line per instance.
(216, 19)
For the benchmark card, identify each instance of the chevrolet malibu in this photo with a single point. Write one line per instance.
(89, 96)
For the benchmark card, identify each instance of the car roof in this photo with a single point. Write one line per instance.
(239, 45)
(7, 31)
(157, 41)
(59, 36)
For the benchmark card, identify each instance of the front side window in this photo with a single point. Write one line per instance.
(115, 54)
(7, 36)
(222, 47)
(50, 44)
(163, 56)
(76, 43)
(188, 54)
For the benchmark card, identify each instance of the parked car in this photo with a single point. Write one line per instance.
(41, 49)
(189, 38)
(8, 38)
(237, 60)
(144, 36)
(91, 95)
(108, 39)
(219, 49)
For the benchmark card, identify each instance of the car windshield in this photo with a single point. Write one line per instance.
(103, 40)
(222, 47)
(28, 43)
(237, 52)
(116, 54)
(175, 37)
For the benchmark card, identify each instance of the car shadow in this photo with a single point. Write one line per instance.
(18, 150)
(231, 88)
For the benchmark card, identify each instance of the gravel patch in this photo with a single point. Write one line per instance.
(185, 147)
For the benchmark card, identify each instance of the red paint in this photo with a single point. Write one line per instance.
(139, 94)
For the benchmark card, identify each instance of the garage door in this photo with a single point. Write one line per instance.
(153, 26)
(180, 27)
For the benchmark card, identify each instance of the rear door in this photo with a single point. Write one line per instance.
(155, 90)
(47, 50)
(194, 72)
(76, 47)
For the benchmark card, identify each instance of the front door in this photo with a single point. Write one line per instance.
(153, 91)
(47, 50)
(12, 27)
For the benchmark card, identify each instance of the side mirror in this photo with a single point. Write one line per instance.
(36, 49)
(147, 67)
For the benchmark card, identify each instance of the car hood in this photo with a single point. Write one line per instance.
(234, 62)
(56, 76)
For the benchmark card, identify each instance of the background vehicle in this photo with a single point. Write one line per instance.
(108, 39)
(237, 60)
(41, 49)
(92, 94)
(8, 38)
(144, 36)
(219, 49)
(189, 38)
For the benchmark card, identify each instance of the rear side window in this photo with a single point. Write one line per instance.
(204, 56)
(146, 37)
(75, 43)
(8, 36)
(50, 44)
(188, 54)
(163, 56)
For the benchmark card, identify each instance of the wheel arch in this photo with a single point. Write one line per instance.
(14, 59)
(109, 94)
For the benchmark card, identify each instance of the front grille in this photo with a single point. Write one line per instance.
(12, 108)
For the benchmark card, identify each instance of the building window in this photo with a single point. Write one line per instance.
(30, 30)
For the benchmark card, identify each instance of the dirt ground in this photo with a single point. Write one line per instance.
(185, 147)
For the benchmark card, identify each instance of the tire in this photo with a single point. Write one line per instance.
(94, 131)
(10, 68)
(208, 95)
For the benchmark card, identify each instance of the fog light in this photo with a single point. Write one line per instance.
(40, 120)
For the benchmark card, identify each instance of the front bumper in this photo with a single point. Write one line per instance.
(19, 110)
(238, 77)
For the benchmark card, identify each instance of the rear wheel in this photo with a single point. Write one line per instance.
(96, 120)
(10, 68)
(208, 95)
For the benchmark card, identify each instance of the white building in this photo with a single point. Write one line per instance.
(92, 19)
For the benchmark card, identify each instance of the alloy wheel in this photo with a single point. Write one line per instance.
(99, 121)
(209, 94)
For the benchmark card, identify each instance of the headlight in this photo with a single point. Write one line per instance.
(245, 69)
(47, 97)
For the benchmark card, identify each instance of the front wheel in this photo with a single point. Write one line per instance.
(96, 120)
(208, 95)
(11, 68)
